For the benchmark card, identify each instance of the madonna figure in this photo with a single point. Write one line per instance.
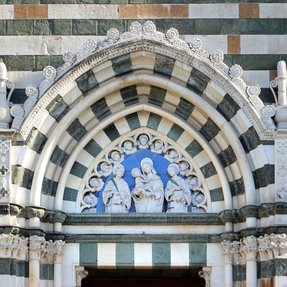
(148, 193)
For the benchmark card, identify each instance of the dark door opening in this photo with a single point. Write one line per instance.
(143, 278)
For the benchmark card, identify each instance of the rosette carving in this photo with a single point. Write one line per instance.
(113, 34)
(149, 28)
(172, 35)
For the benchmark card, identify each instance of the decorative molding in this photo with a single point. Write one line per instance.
(281, 169)
(5, 146)
(146, 37)
(140, 219)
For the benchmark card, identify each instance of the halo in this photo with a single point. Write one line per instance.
(175, 166)
(116, 166)
(146, 160)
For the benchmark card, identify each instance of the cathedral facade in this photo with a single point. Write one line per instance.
(143, 157)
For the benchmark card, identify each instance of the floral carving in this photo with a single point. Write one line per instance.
(113, 34)
(172, 35)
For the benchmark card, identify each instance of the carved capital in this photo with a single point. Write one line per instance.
(206, 275)
(81, 273)
(13, 246)
(59, 250)
(249, 211)
(15, 209)
(227, 249)
(52, 216)
(279, 244)
(227, 215)
(36, 246)
(237, 251)
(31, 212)
(265, 248)
(250, 247)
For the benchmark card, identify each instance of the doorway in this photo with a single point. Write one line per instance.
(143, 278)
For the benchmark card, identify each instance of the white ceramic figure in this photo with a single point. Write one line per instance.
(96, 183)
(184, 167)
(148, 193)
(116, 195)
(116, 157)
(177, 192)
(158, 146)
(91, 201)
(143, 141)
(105, 169)
(172, 155)
(128, 147)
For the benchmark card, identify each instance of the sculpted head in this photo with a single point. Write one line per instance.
(136, 172)
(147, 165)
(143, 139)
(118, 170)
(115, 156)
(128, 145)
(173, 169)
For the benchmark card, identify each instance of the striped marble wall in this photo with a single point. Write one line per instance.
(35, 33)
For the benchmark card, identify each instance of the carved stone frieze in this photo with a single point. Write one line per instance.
(267, 247)
(13, 246)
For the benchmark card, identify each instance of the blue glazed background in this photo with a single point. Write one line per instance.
(131, 161)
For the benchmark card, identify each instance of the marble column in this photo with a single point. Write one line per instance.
(59, 252)
(35, 250)
(227, 247)
(250, 249)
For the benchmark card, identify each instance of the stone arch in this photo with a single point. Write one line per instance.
(218, 103)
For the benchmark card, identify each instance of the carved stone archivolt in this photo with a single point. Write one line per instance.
(176, 189)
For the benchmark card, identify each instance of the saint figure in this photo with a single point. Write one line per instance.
(116, 195)
(177, 192)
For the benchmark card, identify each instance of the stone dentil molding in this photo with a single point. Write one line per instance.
(194, 53)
